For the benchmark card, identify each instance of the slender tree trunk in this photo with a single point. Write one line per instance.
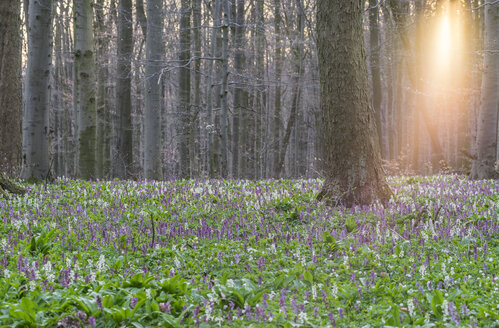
(102, 156)
(124, 158)
(154, 56)
(240, 98)
(185, 125)
(196, 87)
(261, 91)
(214, 89)
(486, 165)
(277, 100)
(85, 83)
(223, 91)
(353, 174)
(141, 16)
(36, 127)
(10, 86)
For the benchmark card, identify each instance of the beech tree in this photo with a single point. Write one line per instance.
(36, 127)
(10, 85)
(85, 88)
(154, 53)
(353, 172)
(123, 159)
(487, 130)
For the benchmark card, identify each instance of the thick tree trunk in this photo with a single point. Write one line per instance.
(123, 160)
(354, 175)
(185, 126)
(374, 65)
(485, 164)
(10, 86)
(36, 127)
(84, 81)
(154, 55)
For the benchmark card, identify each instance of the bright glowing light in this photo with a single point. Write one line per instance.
(444, 41)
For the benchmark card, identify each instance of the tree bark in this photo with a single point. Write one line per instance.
(103, 103)
(185, 126)
(276, 126)
(124, 157)
(354, 175)
(196, 86)
(36, 127)
(240, 99)
(224, 92)
(7, 186)
(10, 86)
(485, 165)
(84, 81)
(374, 65)
(154, 55)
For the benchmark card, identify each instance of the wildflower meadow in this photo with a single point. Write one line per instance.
(228, 253)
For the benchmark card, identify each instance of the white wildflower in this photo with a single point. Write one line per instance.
(445, 309)
(410, 307)
(422, 270)
(230, 283)
(314, 292)
(302, 317)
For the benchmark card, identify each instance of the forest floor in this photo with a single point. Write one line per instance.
(249, 254)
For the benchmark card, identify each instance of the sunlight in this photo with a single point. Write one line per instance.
(444, 42)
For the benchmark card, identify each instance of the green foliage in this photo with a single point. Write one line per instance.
(77, 250)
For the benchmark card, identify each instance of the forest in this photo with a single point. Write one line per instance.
(249, 163)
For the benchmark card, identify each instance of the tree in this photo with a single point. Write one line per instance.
(240, 95)
(10, 85)
(353, 172)
(36, 127)
(486, 143)
(374, 64)
(154, 53)
(124, 159)
(185, 126)
(84, 81)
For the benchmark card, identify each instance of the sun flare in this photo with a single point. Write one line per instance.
(444, 41)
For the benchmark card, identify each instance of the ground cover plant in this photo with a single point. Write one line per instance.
(239, 253)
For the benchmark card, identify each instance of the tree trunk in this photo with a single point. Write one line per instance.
(223, 91)
(36, 127)
(196, 87)
(102, 156)
(213, 88)
(84, 81)
(261, 92)
(277, 100)
(374, 63)
(123, 160)
(485, 164)
(240, 99)
(7, 186)
(354, 175)
(185, 125)
(154, 55)
(10, 86)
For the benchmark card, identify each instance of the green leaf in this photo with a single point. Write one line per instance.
(308, 277)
